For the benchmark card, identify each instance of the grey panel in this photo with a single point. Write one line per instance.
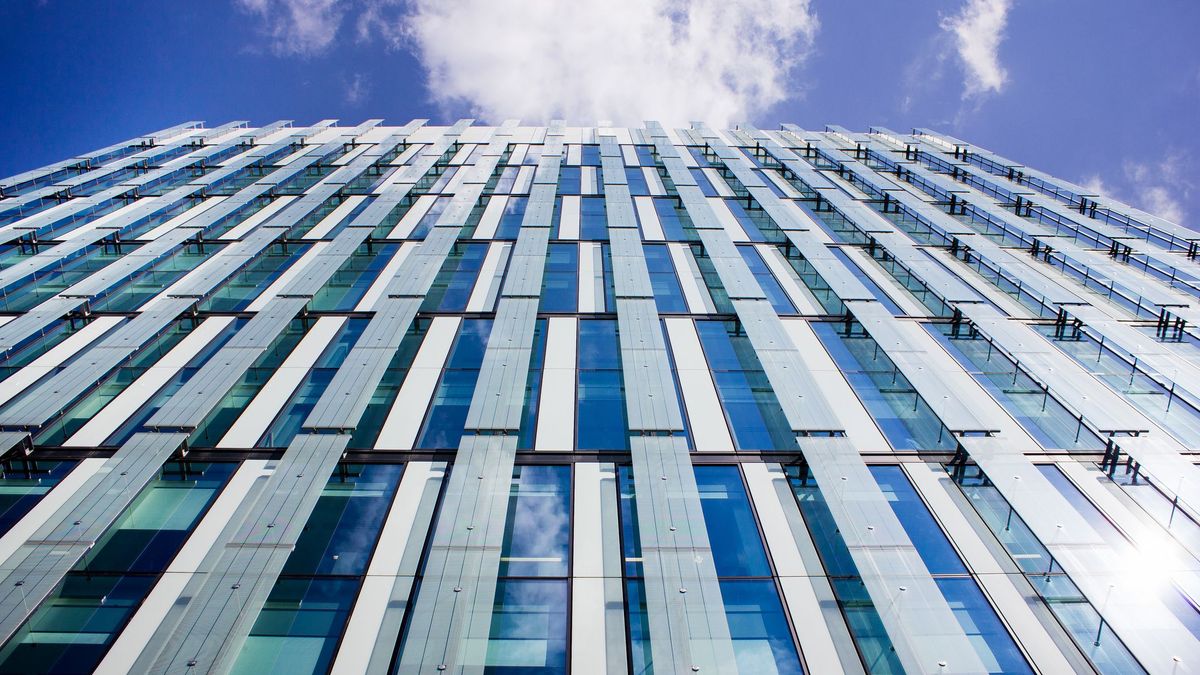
(37, 567)
(41, 403)
(206, 628)
(35, 321)
(189, 406)
(453, 607)
(347, 396)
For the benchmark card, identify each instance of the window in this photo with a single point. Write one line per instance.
(601, 415)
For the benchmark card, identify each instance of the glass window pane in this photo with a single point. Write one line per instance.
(537, 532)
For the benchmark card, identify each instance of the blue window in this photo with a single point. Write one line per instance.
(427, 221)
(337, 538)
(766, 280)
(593, 218)
(533, 387)
(750, 405)
(645, 155)
(448, 413)
(510, 221)
(454, 282)
(668, 295)
(570, 180)
(759, 628)
(637, 182)
(23, 483)
(737, 547)
(537, 534)
(508, 176)
(748, 222)
(560, 281)
(298, 627)
(590, 155)
(601, 414)
(671, 217)
(702, 181)
(529, 628)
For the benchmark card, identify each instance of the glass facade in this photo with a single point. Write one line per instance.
(538, 400)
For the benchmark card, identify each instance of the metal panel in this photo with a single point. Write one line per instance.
(205, 630)
(39, 565)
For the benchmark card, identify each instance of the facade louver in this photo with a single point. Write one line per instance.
(535, 400)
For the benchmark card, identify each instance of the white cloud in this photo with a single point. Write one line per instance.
(620, 60)
(297, 27)
(1161, 187)
(585, 60)
(978, 30)
(358, 89)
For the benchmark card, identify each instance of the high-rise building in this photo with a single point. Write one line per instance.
(525, 400)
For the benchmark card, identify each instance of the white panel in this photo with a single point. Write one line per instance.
(181, 218)
(816, 640)
(706, 418)
(648, 217)
(262, 410)
(524, 180)
(517, 156)
(48, 506)
(487, 284)
(362, 628)
(933, 484)
(568, 222)
(107, 218)
(350, 156)
(654, 181)
(404, 156)
(413, 216)
(385, 277)
(629, 154)
(781, 183)
(894, 290)
(335, 216)
(136, 635)
(853, 417)
(589, 654)
(728, 221)
(718, 183)
(44, 212)
(591, 278)
(257, 218)
(454, 185)
(289, 275)
(690, 280)
(133, 397)
(21, 380)
(463, 154)
(587, 522)
(588, 184)
(491, 217)
(574, 154)
(795, 289)
(556, 402)
(403, 422)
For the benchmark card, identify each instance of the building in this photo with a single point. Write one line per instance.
(534, 400)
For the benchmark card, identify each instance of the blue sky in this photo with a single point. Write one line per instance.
(1104, 92)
